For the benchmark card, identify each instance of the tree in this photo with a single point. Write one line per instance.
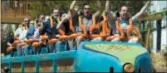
(46, 7)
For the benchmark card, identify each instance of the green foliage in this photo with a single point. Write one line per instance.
(4, 35)
(165, 54)
(46, 7)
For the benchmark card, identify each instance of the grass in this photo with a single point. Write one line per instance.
(159, 61)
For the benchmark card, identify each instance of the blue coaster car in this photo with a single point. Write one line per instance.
(112, 57)
(89, 57)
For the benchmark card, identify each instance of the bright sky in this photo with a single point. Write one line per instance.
(158, 5)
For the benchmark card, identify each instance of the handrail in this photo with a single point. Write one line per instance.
(40, 57)
(155, 16)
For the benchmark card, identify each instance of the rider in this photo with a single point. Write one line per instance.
(10, 41)
(124, 23)
(49, 28)
(67, 26)
(33, 35)
(21, 34)
(85, 21)
(107, 30)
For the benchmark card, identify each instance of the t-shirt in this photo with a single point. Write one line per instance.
(30, 32)
(65, 27)
(21, 33)
(36, 34)
(18, 31)
(123, 23)
(51, 32)
(10, 39)
(87, 22)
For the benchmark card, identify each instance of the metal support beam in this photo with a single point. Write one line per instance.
(22, 67)
(158, 45)
(37, 66)
(54, 66)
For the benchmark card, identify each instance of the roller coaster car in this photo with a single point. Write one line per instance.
(89, 57)
(112, 57)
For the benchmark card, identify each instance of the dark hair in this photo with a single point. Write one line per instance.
(40, 15)
(117, 14)
(56, 9)
(11, 34)
(37, 20)
(123, 6)
(80, 13)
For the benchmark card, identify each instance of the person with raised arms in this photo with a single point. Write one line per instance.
(124, 24)
(68, 27)
(86, 21)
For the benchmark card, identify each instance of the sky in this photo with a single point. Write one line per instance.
(158, 5)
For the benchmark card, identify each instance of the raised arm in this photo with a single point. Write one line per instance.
(62, 21)
(108, 11)
(70, 14)
(99, 11)
(107, 6)
(71, 10)
(142, 11)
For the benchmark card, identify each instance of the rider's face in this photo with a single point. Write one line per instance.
(86, 12)
(56, 13)
(124, 12)
(41, 18)
(26, 21)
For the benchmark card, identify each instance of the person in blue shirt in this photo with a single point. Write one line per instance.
(31, 30)
(33, 35)
(27, 48)
(39, 20)
(49, 28)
